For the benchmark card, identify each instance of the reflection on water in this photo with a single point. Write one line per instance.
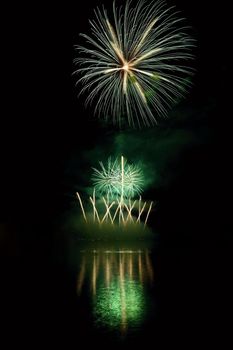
(118, 282)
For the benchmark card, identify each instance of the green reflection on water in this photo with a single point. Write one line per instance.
(118, 281)
(120, 304)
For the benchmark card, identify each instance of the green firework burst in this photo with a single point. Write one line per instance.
(118, 179)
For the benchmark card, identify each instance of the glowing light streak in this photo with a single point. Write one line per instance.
(95, 210)
(140, 212)
(117, 211)
(81, 205)
(148, 213)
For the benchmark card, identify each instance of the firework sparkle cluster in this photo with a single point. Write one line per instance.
(113, 200)
(133, 64)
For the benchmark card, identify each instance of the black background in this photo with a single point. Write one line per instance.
(43, 122)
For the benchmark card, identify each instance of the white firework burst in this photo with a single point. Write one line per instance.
(134, 63)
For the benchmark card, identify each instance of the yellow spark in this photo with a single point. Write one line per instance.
(108, 208)
(110, 70)
(115, 44)
(122, 177)
(107, 211)
(148, 213)
(139, 206)
(143, 72)
(141, 58)
(81, 205)
(147, 31)
(140, 213)
(94, 204)
(129, 214)
(94, 207)
(117, 209)
(121, 215)
(125, 78)
(138, 86)
(130, 211)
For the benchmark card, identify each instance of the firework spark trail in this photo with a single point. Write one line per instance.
(122, 213)
(81, 205)
(122, 179)
(115, 214)
(95, 210)
(148, 213)
(108, 213)
(129, 216)
(140, 213)
(94, 204)
(139, 205)
(134, 63)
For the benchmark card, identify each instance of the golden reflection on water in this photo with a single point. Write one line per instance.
(117, 281)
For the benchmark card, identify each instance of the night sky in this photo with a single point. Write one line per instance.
(49, 141)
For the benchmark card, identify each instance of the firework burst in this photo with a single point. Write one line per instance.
(115, 186)
(133, 64)
(118, 179)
